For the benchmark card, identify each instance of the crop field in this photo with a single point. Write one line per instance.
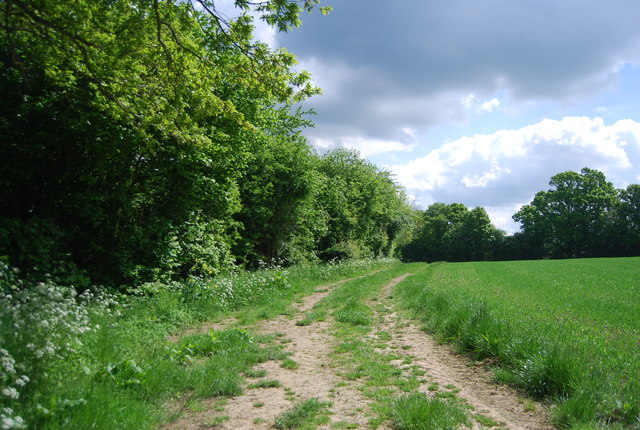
(563, 330)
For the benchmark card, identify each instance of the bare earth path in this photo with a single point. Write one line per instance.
(445, 367)
(317, 377)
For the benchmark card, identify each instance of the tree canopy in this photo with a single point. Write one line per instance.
(155, 139)
(570, 219)
(455, 233)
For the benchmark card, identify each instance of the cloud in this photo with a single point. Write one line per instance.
(503, 170)
(366, 147)
(490, 105)
(385, 65)
(369, 147)
(471, 102)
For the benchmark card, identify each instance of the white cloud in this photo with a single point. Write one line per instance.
(481, 180)
(366, 147)
(490, 105)
(471, 102)
(505, 169)
(501, 216)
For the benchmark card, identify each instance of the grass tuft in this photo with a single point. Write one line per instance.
(266, 383)
(416, 411)
(300, 414)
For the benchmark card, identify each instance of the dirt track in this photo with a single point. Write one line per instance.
(318, 376)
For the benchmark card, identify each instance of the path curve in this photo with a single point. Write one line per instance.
(311, 345)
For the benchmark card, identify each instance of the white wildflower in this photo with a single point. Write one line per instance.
(22, 381)
(11, 393)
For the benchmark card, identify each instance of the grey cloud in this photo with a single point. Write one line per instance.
(408, 54)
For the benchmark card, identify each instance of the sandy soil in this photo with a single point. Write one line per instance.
(317, 377)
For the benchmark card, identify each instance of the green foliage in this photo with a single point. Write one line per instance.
(300, 414)
(454, 233)
(300, 207)
(366, 211)
(128, 127)
(416, 411)
(627, 219)
(573, 218)
(277, 195)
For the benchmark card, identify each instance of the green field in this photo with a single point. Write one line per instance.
(563, 330)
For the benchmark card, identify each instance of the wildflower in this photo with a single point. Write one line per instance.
(11, 393)
(9, 422)
(22, 381)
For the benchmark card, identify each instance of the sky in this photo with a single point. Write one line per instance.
(476, 102)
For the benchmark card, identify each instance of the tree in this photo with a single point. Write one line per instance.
(127, 126)
(428, 242)
(628, 220)
(366, 210)
(474, 238)
(454, 233)
(276, 192)
(570, 219)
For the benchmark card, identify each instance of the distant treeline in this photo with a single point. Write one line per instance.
(581, 215)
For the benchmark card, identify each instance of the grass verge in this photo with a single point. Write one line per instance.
(102, 361)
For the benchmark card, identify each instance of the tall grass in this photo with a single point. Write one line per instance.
(97, 360)
(563, 330)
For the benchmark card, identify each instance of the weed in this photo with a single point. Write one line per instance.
(354, 314)
(253, 373)
(301, 413)
(220, 405)
(485, 420)
(216, 421)
(446, 395)
(384, 336)
(418, 412)
(344, 425)
(310, 317)
(195, 405)
(266, 383)
(289, 364)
